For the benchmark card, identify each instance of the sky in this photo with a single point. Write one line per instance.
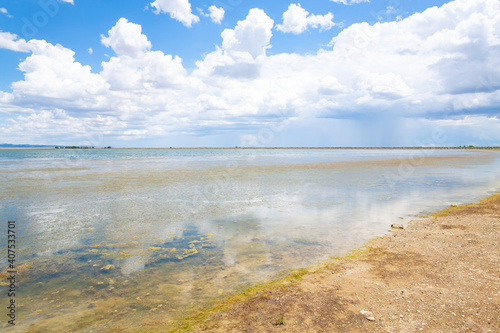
(225, 73)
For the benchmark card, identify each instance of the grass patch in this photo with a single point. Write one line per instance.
(279, 320)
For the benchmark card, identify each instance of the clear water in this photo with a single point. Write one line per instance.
(122, 239)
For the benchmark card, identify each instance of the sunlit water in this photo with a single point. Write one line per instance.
(123, 239)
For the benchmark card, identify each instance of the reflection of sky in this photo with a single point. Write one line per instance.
(332, 208)
(336, 211)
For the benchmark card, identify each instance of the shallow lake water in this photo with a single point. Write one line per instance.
(111, 240)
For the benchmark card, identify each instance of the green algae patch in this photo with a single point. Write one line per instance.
(460, 209)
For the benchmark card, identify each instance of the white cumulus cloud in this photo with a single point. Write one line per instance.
(125, 38)
(243, 49)
(179, 10)
(136, 68)
(152, 70)
(51, 73)
(297, 20)
(216, 13)
(11, 42)
(252, 35)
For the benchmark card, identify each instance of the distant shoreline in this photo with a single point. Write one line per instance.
(260, 148)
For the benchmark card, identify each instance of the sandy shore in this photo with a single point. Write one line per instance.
(440, 274)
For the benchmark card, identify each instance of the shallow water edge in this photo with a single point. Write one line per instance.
(231, 306)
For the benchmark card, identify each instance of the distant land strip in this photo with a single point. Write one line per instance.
(326, 148)
(62, 147)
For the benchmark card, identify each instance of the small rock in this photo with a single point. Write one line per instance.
(368, 315)
(397, 226)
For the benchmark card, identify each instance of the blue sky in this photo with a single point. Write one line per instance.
(250, 73)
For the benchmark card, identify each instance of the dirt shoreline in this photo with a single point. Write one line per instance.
(440, 274)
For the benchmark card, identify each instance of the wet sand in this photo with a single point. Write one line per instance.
(439, 274)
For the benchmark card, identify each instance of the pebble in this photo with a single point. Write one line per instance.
(368, 315)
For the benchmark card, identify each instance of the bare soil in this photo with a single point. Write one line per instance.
(439, 274)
